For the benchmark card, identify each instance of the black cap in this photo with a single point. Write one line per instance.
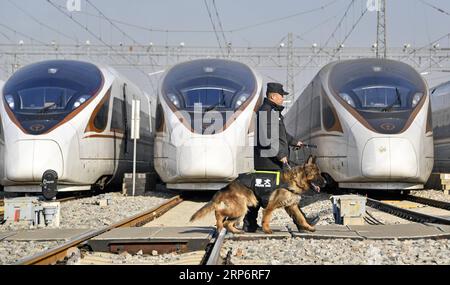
(276, 88)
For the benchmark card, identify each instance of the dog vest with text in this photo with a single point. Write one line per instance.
(263, 183)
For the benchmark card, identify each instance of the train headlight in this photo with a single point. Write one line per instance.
(242, 98)
(174, 99)
(348, 99)
(10, 101)
(80, 101)
(416, 99)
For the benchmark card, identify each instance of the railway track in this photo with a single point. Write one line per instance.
(409, 214)
(63, 251)
(212, 256)
(2, 209)
(429, 202)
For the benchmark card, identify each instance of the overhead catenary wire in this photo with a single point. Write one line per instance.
(238, 29)
(332, 35)
(102, 41)
(213, 25)
(351, 31)
(220, 22)
(6, 36)
(440, 10)
(115, 26)
(22, 34)
(42, 23)
(112, 23)
(447, 35)
(283, 18)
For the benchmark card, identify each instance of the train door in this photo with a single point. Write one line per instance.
(2, 150)
(119, 124)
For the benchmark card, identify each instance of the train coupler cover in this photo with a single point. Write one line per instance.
(49, 184)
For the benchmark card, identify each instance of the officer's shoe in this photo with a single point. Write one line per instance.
(250, 227)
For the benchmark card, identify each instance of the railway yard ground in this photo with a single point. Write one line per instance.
(169, 238)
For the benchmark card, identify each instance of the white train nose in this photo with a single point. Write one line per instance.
(389, 158)
(27, 160)
(205, 158)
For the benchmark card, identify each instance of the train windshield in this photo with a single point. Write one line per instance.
(44, 93)
(209, 84)
(52, 87)
(378, 87)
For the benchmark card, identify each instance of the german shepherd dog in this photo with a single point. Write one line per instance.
(231, 203)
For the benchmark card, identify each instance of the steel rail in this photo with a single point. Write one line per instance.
(429, 202)
(406, 214)
(58, 253)
(214, 256)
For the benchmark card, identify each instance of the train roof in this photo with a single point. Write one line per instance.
(362, 62)
(349, 70)
(80, 73)
(201, 66)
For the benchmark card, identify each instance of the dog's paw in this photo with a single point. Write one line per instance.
(268, 231)
(312, 229)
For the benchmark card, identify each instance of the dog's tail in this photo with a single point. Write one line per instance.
(203, 211)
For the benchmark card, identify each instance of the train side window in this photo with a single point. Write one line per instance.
(144, 125)
(1, 129)
(101, 119)
(159, 118)
(315, 115)
(118, 120)
(330, 118)
(429, 126)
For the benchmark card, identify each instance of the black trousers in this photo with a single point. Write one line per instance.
(250, 224)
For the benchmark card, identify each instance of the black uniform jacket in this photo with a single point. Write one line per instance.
(263, 161)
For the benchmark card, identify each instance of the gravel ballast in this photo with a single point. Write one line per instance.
(338, 251)
(13, 251)
(432, 194)
(87, 213)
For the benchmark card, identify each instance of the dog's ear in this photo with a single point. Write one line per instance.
(311, 160)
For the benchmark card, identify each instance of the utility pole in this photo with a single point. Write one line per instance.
(381, 29)
(290, 80)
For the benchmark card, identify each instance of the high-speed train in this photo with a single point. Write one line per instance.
(371, 121)
(440, 106)
(2, 141)
(66, 127)
(205, 123)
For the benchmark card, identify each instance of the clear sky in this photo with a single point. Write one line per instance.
(245, 22)
(409, 21)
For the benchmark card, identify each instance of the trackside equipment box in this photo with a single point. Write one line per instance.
(144, 182)
(349, 209)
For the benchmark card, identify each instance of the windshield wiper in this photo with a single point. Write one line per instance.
(46, 108)
(399, 100)
(210, 108)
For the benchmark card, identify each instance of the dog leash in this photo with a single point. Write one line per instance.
(305, 146)
(287, 165)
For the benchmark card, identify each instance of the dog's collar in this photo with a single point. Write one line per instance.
(290, 189)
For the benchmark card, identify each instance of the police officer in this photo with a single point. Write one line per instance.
(272, 106)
